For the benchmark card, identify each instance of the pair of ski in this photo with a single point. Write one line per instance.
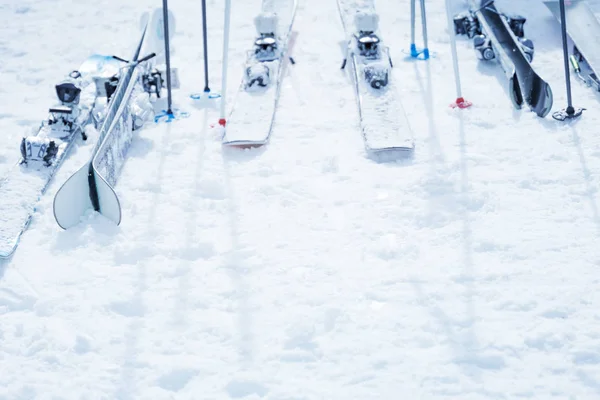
(109, 105)
(495, 36)
(383, 122)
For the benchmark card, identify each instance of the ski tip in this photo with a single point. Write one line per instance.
(222, 122)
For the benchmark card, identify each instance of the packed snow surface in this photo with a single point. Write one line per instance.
(305, 269)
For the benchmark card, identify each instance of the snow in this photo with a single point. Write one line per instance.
(304, 269)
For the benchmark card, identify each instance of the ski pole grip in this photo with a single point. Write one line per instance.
(120, 59)
(146, 58)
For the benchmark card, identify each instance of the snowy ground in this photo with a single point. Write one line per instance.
(304, 270)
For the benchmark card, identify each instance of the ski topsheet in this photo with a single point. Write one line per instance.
(383, 120)
(584, 30)
(25, 183)
(251, 119)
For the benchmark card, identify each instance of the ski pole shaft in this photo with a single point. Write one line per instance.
(205, 40)
(453, 46)
(222, 120)
(167, 53)
(424, 23)
(563, 19)
(412, 21)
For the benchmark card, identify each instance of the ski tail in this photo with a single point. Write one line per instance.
(73, 198)
(384, 125)
(542, 98)
(83, 191)
(259, 108)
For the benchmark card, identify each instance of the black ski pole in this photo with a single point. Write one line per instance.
(569, 112)
(206, 88)
(167, 54)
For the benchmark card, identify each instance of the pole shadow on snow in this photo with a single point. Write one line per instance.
(235, 267)
(467, 279)
(126, 388)
(127, 384)
(465, 341)
(461, 333)
(589, 190)
(192, 217)
(435, 147)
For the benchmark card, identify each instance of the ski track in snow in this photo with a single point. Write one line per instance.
(305, 270)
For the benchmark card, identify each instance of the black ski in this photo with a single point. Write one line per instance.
(497, 36)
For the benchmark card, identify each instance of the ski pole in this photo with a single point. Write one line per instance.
(206, 88)
(570, 111)
(167, 54)
(413, 46)
(222, 119)
(424, 23)
(414, 53)
(460, 101)
(563, 18)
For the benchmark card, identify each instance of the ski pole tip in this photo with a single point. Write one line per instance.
(461, 103)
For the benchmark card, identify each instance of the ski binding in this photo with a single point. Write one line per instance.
(467, 24)
(62, 122)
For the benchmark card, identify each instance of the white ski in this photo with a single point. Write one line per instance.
(251, 119)
(383, 121)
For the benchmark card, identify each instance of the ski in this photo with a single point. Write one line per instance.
(383, 122)
(251, 120)
(138, 86)
(82, 100)
(496, 36)
(584, 30)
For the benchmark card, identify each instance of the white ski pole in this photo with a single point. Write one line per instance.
(222, 119)
(460, 101)
(424, 23)
(413, 46)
